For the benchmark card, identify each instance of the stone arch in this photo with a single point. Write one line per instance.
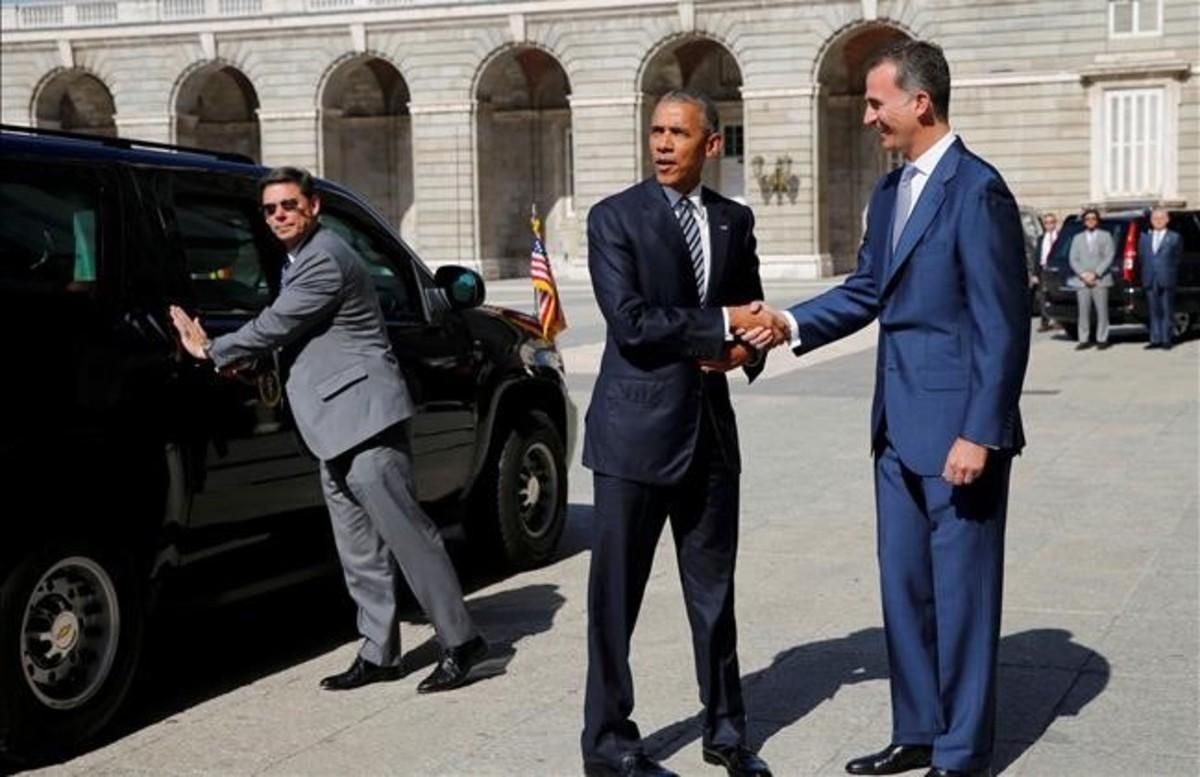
(366, 133)
(74, 99)
(850, 159)
(215, 106)
(707, 64)
(524, 154)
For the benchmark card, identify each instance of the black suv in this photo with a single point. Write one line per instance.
(134, 476)
(1126, 298)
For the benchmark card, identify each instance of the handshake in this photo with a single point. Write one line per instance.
(756, 327)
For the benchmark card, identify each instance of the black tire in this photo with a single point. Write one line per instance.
(524, 504)
(57, 694)
(1071, 331)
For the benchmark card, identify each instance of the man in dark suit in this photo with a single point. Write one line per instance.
(1158, 255)
(1045, 244)
(942, 267)
(666, 258)
(351, 408)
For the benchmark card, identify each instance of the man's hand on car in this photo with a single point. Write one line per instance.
(191, 335)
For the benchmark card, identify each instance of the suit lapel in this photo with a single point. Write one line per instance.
(718, 241)
(665, 225)
(928, 205)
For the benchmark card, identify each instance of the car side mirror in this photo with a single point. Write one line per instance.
(464, 288)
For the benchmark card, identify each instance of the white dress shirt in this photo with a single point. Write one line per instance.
(1048, 243)
(1159, 234)
(924, 166)
(701, 215)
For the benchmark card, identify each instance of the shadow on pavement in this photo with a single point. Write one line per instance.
(197, 653)
(1044, 675)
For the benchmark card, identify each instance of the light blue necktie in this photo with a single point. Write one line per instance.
(903, 204)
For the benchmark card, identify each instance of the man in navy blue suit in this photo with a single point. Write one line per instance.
(1158, 254)
(670, 262)
(942, 267)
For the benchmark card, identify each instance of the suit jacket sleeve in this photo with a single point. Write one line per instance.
(1108, 250)
(842, 310)
(989, 237)
(753, 288)
(314, 288)
(1076, 254)
(686, 332)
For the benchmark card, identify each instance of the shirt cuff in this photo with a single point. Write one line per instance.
(725, 316)
(794, 328)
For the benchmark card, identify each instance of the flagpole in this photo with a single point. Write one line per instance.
(533, 224)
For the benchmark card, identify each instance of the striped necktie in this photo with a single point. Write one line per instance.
(691, 236)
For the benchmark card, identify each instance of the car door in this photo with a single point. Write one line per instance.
(255, 511)
(81, 376)
(437, 354)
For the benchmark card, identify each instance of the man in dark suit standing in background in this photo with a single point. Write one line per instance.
(666, 256)
(351, 408)
(1158, 254)
(942, 267)
(1045, 245)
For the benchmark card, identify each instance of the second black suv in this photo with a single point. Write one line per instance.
(1126, 299)
(134, 476)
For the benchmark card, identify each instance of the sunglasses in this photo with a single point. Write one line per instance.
(289, 205)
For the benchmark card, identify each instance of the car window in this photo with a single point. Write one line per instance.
(219, 229)
(1187, 224)
(390, 266)
(49, 223)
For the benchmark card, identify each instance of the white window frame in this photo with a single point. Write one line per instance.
(1135, 31)
(1101, 95)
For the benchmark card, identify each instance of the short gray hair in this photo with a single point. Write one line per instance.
(712, 120)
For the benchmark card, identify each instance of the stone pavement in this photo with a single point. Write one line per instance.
(1100, 638)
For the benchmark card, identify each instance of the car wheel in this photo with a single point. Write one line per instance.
(1071, 331)
(531, 493)
(71, 629)
(1181, 324)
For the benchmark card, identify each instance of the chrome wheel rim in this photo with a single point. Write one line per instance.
(69, 633)
(537, 490)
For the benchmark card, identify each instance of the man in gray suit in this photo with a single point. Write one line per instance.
(1158, 255)
(1091, 257)
(351, 408)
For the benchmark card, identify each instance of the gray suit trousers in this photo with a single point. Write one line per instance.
(379, 525)
(1087, 297)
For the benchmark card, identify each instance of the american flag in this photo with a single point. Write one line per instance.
(545, 290)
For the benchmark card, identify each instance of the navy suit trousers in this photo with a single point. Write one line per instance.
(628, 521)
(941, 562)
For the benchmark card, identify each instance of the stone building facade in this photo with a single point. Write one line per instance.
(454, 117)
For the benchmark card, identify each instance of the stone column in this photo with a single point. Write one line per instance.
(445, 180)
(607, 136)
(288, 138)
(153, 127)
(781, 124)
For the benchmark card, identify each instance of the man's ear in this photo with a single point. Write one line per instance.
(315, 203)
(712, 146)
(925, 112)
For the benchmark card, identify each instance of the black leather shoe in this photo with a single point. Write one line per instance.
(1150, 346)
(1103, 346)
(454, 669)
(738, 761)
(893, 759)
(936, 772)
(632, 765)
(361, 672)
(1083, 346)
(1165, 346)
